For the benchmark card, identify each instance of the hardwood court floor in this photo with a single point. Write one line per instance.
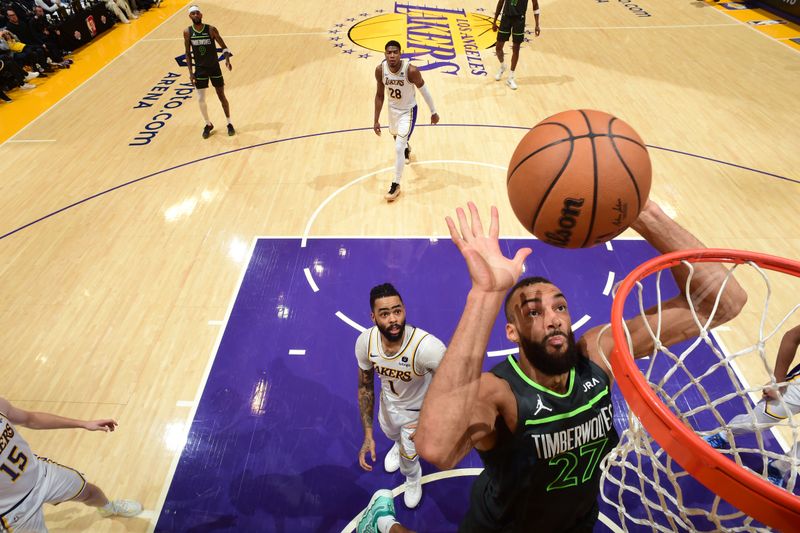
(119, 259)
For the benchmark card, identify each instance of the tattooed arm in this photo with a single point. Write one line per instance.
(366, 403)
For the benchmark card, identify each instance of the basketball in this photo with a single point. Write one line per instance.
(579, 178)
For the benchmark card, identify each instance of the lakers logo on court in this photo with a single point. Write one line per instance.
(446, 40)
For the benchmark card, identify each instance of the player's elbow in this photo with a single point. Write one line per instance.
(433, 452)
(731, 302)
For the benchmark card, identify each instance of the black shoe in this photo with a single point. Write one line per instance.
(207, 130)
(408, 154)
(394, 192)
(231, 131)
(4, 97)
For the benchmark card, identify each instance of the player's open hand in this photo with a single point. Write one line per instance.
(489, 269)
(101, 425)
(228, 63)
(435, 118)
(367, 447)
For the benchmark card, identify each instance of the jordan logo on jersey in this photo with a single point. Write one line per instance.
(540, 405)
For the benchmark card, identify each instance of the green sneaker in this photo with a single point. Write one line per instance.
(381, 504)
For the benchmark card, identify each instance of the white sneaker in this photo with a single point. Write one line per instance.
(511, 82)
(30, 75)
(500, 73)
(126, 508)
(27, 86)
(391, 463)
(413, 493)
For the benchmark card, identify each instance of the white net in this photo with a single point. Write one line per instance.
(700, 382)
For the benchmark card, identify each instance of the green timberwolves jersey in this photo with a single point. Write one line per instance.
(545, 475)
(515, 8)
(204, 52)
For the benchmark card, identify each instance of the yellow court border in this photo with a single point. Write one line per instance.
(88, 61)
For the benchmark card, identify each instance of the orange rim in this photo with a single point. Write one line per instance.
(743, 489)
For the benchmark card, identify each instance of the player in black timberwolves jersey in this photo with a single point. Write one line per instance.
(543, 422)
(201, 58)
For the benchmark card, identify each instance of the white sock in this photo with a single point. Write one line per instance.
(400, 158)
(511, 75)
(385, 523)
(229, 122)
(109, 506)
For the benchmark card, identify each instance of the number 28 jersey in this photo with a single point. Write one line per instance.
(19, 469)
(401, 92)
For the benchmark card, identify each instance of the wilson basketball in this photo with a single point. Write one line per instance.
(579, 178)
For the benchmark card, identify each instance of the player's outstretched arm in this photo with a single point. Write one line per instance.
(379, 94)
(415, 77)
(39, 420)
(461, 406)
(786, 353)
(677, 322)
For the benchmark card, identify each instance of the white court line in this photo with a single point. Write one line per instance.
(609, 246)
(297, 352)
(447, 474)
(347, 320)
(87, 80)
(215, 322)
(190, 416)
(184, 403)
(581, 321)
(660, 27)
(310, 279)
(247, 36)
(387, 169)
(751, 27)
(609, 283)
(501, 353)
(32, 140)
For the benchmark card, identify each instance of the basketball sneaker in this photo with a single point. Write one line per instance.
(207, 130)
(391, 196)
(408, 153)
(511, 82)
(126, 508)
(381, 504)
(717, 441)
(775, 476)
(391, 463)
(413, 493)
(231, 131)
(500, 72)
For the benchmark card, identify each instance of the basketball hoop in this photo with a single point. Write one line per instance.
(738, 486)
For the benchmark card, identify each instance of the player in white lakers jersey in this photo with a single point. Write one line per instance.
(27, 482)
(398, 77)
(405, 358)
(776, 405)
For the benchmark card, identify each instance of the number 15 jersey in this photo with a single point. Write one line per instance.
(19, 469)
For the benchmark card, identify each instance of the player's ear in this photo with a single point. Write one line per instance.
(511, 333)
(372, 316)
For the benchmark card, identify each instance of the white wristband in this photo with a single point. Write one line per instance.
(536, 11)
(226, 51)
(428, 99)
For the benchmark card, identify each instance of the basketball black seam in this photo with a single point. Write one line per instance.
(540, 149)
(550, 188)
(594, 189)
(611, 137)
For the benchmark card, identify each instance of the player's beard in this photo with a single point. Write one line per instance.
(551, 364)
(393, 337)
